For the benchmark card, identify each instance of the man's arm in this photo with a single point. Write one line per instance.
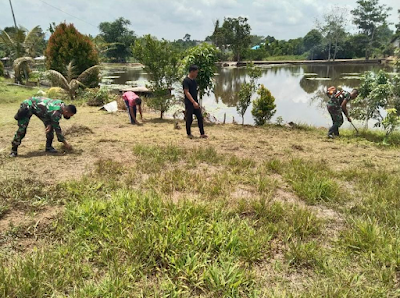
(344, 109)
(190, 97)
(133, 114)
(140, 111)
(55, 124)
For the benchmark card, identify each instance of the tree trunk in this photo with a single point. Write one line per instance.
(242, 119)
(26, 76)
(329, 51)
(162, 114)
(336, 50)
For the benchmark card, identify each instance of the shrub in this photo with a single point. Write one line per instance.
(96, 97)
(66, 44)
(1, 69)
(247, 90)
(55, 92)
(161, 63)
(205, 57)
(264, 106)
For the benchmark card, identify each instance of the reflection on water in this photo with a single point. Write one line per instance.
(297, 89)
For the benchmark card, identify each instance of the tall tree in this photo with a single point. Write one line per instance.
(218, 36)
(235, 34)
(118, 34)
(333, 28)
(312, 41)
(398, 25)
(67, 44)
(369, 16)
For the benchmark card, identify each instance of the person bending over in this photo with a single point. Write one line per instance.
(337, 105)
(50, 112)
(133, 103)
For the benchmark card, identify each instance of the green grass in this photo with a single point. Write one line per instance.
(286, 58)
(176, 225)
(313, 183)
(12, 94)
(376, 136)
(28, 195)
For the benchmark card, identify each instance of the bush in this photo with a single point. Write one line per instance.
(96, 97)
(55, 92)
(161, 62)
(66, 44)
(1, 69)
(264, 106)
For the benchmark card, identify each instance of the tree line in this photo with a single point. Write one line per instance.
(329, 39)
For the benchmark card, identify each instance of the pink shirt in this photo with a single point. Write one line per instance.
(130, 97)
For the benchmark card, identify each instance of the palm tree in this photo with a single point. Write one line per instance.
(22, 68)
(70, 82)
(21, 42)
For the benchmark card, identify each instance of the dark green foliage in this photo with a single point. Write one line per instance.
(378, 92)
(247, 90)
(205, 57)
(119, 37)
(263, 107)
(369, 16)
(67, 45)
(235, 33)
(161, 63)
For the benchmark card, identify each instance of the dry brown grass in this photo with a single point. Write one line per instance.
(113, 138)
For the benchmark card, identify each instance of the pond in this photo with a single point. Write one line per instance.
(297, 89)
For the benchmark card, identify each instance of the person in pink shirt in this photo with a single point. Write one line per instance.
(132, 101)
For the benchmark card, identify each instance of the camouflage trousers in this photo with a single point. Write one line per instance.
(23, 123)
(337, 118)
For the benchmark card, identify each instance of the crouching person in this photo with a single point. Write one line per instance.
(50, 112)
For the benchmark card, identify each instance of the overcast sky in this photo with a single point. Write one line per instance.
(172, 19)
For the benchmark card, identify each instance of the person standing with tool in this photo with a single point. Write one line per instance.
(337, 105)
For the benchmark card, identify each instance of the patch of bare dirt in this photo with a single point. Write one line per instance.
(27, 230)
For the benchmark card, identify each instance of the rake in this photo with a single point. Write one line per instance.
(357, 132)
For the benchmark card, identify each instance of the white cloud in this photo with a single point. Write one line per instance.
(172, 19)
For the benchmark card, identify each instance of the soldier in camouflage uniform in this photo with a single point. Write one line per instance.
(50, 112)
(337, 105)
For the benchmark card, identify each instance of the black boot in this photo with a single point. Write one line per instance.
(14, 152)
(50, 148)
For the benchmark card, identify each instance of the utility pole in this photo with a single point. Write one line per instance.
(12, 10)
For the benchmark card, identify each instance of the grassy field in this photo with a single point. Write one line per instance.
(145, 212)
(287, 58)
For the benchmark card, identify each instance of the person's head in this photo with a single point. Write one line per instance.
(193, 71)
(69, 111)
(354, 94)
(138, 101)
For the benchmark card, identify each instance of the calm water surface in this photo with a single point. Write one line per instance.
(297, 89)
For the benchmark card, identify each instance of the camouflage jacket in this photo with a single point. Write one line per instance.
(338, 98)
(49, 111)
